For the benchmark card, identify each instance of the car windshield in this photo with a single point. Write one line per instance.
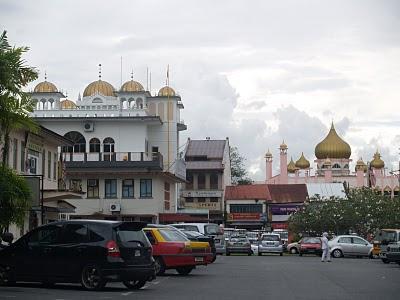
(127, 236)
(172, 235)
(311, 241)
(387, 236)
(270, 238)
(213, 229)
(193, 234)
(238, 239)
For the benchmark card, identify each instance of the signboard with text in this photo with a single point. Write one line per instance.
(202, 194)
(277, 209)
(244, 216)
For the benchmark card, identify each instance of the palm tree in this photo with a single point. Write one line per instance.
(15, 104)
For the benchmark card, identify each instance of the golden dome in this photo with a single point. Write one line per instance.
(377, 162)
(132, 86)
(67, 104)
(327, 162)
(268, 154)
(166, 91)
(283, 146)
(361, 165)
(332, 146)
(45, 87)
(99, 87)
(302, 162)
(291, 167)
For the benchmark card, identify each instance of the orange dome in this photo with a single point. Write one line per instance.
(166, 91)
(333, 147)
(99, 87)
(45, 87)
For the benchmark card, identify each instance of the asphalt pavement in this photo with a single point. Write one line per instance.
(243, 277)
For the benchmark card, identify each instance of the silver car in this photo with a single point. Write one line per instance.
(270, 243)
(350, 245)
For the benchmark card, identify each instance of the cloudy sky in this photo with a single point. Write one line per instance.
(258, 72)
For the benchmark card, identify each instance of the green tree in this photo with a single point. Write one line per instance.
(238, 172)
(15, 104)
(15, 198)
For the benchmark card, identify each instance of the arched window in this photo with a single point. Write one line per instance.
(387, 191)
(139, 103)
(97, 100)
(336, 166)
(346, 166)
(79, 142)
(108, 149)
(131, 103)
(94, 145)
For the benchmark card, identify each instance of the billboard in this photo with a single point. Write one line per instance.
(244, 216)
(277, 209)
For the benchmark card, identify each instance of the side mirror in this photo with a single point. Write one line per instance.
(8, 237)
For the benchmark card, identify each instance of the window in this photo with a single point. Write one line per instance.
(127, 188)
(75, 185)
(108, 145)
(44, 162)
(49, 164)
(55, 167)
(15, 154)
(214, 181)
(345, 240)
(359, 241)
(201, 200)
(172, 235)
(94, 145)
(22, 158)
(74, 234)
(201, 181)
(189, 179)
(110, 188)
(93, 188)
(213, 199)
(245, 208)
(189, 199)
(336, 166)
(150, 237)
(145, 188)
(79, 142)
(45, 235)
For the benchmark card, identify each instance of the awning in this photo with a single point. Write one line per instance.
(54, 195)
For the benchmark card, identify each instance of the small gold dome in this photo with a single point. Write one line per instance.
(377, 162)
(333, 146)
(268, 154)
(361, 165)
(132, 86)
(166, 91)
(45, 87)
(302, 162)
(67, 104)
(283, 146)
(99, 87)
(291, 167)
(327, 162)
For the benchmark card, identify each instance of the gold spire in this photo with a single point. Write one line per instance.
(377, 162)
(291, 167)
(283, 146)
(333, 146)
(302, 162)
(361, 165)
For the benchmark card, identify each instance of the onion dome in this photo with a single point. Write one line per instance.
(291, 167)
(67, 104)
(45, 87)
(132, 86)
(166, 91)
(377, 162)
(268, 154)
(333, 146)
(302, 162)
(361, 165)
(283, 146)
(99, 87)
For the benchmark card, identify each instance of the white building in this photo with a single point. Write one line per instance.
(125, 152)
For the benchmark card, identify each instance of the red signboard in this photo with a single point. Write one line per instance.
(279, 225)
(244, 216)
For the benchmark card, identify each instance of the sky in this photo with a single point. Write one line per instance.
(258, 72)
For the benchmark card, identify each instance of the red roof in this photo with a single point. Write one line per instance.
(247, 192)
(288, 193)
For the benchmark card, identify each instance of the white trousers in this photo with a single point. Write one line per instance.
(326, 254)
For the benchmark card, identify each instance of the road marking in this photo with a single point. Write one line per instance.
(126, 294)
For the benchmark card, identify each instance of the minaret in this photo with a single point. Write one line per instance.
(283, 177)
(268, 166)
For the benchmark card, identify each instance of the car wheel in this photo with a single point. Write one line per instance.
(337, 253)
(280, 254)
(293, 250)
(184, 270)
(250, 253)
(259, 253)
(228, 253)
(92, 278)
(159, 266)
(134, 284)
(5, 277)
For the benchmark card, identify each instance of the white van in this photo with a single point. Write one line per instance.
(208, 229)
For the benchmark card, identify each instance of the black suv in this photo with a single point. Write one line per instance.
(91, 252)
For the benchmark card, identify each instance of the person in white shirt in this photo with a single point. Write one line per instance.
(325, 248)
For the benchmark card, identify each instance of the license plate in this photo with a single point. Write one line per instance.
(137, 252)
(198, 259)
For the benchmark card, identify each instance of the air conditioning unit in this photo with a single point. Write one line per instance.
(88, 126)
(115, 207)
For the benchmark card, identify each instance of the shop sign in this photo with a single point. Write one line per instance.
(244, 216)
(35, 147)
(202, 194)
(211, 205)
(279, 226)
(284, 209)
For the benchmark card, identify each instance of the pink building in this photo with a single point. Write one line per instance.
(332, 165)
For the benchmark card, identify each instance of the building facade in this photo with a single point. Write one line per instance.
(124, 156)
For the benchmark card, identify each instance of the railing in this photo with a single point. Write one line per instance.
(112, 156)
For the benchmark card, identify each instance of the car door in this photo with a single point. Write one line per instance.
(346, 245)
(360, 246)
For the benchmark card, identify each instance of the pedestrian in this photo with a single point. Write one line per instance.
(325, 248)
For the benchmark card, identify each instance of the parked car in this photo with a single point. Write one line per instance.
(208, 229)
(7, 238)
(173, 250)
(310, 245)
(238, 244)
(383, 238)
(198, 237)
(87, 251)
(270, 243)
(293, 248)
(350, 245)
(393, 252)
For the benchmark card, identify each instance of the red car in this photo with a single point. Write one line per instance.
(310, 245)
(172, 250)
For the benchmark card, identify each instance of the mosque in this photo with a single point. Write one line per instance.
(332, 165)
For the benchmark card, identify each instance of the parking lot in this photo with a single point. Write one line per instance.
(243, 277)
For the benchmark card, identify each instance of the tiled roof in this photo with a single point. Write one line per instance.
(288, 193)
(209, 148)
(204, 165)
(244, 192)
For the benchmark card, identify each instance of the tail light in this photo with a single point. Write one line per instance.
(112, 249)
